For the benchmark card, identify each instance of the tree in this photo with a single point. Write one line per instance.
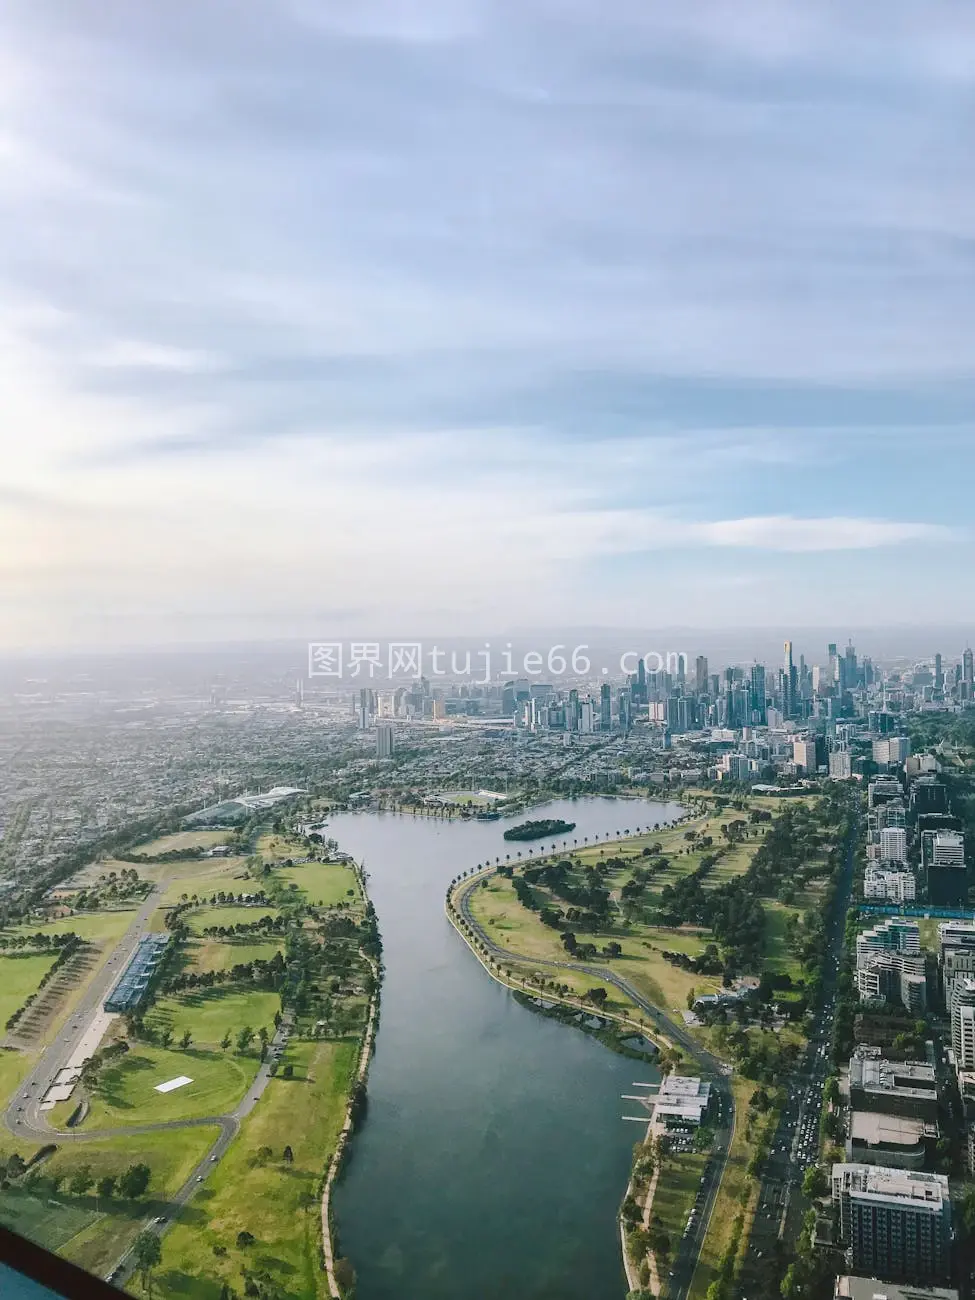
(288, 1072)
(81, 1180)
(16, 1166)
(288, 1155)
(106, 1186)
(245, 1038)
(147, 1252)
(135, 1181)
(264, 1154)
(815, 1183)
(185, 1041)
(244, 1239)
(225, 1041)
(166, 1037)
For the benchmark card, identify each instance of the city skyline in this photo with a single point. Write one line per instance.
(477, 315)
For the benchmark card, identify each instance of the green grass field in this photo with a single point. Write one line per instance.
(677, 1187)
(19, 977)
(203, 878)
(13, 1066)
(50, 1224)
(180, 841)
(210, 1014)
(99, 928)
(201, 920)
(126, 1092)
(322, 883)
(219, 955)
(170, 1155)
(276, 1201)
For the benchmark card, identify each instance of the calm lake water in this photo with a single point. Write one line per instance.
(493, 1157)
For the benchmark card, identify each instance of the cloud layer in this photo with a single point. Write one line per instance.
(481, 312)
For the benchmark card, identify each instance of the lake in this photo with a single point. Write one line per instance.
(493, 1156)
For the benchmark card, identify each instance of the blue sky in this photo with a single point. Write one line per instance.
(319, 317)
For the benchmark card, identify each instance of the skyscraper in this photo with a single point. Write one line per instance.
(758, 697)
(605, 707)
(384, 740)
(788, 682)
(701, 675)
(967, 675)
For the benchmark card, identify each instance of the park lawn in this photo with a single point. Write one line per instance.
(94, 927)
(211, 1013)
(50, 1224)
(221, 954)
(126, 1095)
(184, 879)
(171, 1155)
(19, 977)
(14, 1065)
(322, 883)
(278, 1203)
(201, 919)
(738, 1191)
(180, 841)
(677, 1187)
(274, 847)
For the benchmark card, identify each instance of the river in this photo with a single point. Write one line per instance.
(493, 1155)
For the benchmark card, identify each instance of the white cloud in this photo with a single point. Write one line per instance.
(786, 533)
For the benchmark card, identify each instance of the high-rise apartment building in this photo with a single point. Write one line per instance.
(384, 740)
(963, 1023)
(893, 844)
(897, 1223)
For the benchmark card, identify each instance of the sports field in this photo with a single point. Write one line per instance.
(126, 1092)
(211, 1013)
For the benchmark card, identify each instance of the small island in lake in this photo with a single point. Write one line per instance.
(540, 829)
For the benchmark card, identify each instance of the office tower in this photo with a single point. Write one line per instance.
(365, 708)
(963, 1023)
(508, 699)
(625, 710)
(757, 689)
(850, 672)
(834, 664)
(572, 711)
(701, 675)
(840, 765)
(896, 1222)
(968, 673)
(585, 717)
(384, 740)
(640, 694)
(788, 681)
(804, 755)
(939, 675)
(947, 873)
(605, 707)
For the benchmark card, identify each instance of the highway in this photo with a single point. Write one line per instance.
(27, 1122)
(795, 1144)
(709, 1066)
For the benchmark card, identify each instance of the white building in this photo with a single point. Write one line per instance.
(840, 765)
(948, 849)
(963, 1024)
(893, 844)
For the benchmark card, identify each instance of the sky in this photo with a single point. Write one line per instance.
(318, 319)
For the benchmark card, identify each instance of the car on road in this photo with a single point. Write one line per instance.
(213, 1160)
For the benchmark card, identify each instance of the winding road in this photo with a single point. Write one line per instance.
(710, 1067)
(26, 1121)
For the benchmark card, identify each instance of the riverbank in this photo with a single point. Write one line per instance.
(463, 1080)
